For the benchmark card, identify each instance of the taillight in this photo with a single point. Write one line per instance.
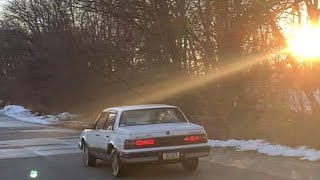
(139, 143)
(143, 142)
(196, 138)
(192, 138)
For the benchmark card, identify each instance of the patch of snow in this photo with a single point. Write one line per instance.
(66, 116)
(264, 147)
(22, 114)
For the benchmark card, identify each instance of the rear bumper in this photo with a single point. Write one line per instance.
(156, 156)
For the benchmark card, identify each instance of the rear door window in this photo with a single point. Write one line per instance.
(110, 121)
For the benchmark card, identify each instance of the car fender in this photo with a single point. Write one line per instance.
(112, 143)
(82, 137)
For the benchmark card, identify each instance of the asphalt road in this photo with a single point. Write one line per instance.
(53, 154)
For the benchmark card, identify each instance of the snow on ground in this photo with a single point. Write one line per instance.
(22, 114)
(264, 147)
(66, 116)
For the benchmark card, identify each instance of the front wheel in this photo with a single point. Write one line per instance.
(190, 165)
(118, 168)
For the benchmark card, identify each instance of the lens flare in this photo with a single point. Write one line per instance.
(33, 174)
(304, 42)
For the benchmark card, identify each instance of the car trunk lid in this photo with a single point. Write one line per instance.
(162, 130)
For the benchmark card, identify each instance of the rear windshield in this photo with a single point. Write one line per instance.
(151, 116)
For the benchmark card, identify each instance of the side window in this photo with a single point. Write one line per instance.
(110, 121)
(101, 120)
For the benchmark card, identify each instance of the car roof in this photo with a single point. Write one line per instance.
(137, 107)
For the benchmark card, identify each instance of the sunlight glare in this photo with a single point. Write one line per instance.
(304, 42)
(170, 88)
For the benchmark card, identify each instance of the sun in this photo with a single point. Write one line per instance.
(304, 42)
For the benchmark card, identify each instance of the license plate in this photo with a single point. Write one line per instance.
(171, 155)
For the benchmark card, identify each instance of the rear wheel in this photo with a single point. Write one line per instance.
(190, 165)
(117, 167)
(88, 159)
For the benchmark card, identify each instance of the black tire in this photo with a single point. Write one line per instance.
(190, 165)
(88, 159)
(118, 169)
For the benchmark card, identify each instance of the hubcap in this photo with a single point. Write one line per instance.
(115, 167)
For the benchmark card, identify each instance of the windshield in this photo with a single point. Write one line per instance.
(151, 116)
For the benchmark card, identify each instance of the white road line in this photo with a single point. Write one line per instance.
(8, 123)
(6, 132)
(35, 151)
(12, 151)
(15, 124)
(28, 154)
(37, 141)
(38, 147)
(19, 155)
(52, 130)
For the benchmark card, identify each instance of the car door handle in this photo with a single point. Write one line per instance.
(107, 136)
(97, 135)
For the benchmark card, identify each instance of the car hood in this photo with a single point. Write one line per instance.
(157, 130)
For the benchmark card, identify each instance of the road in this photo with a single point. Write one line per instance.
(53, 153)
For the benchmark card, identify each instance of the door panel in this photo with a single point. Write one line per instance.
(102, 138)
(105, 134)
(90, 138)
(95, 134)
(102, 143)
